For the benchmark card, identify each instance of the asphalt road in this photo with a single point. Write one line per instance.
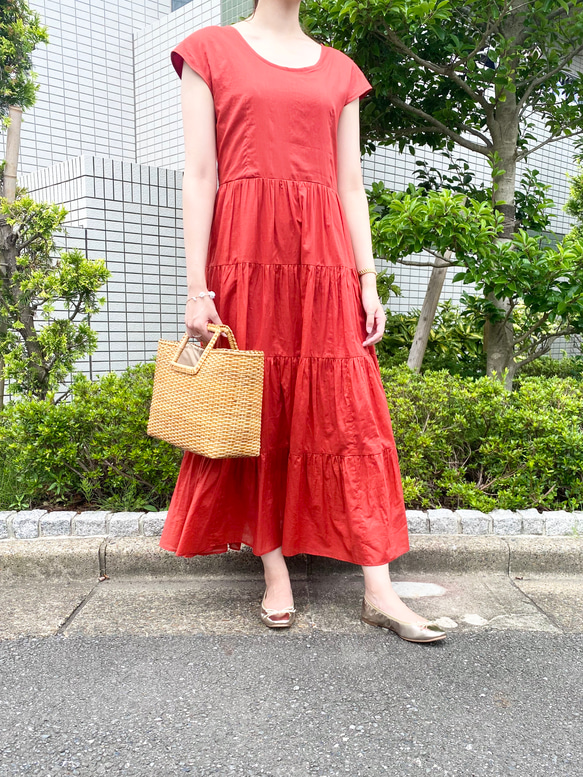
(492, 702)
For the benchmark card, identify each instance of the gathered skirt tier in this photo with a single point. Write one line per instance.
(327, 480)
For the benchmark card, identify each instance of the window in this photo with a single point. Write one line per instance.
(176, 4)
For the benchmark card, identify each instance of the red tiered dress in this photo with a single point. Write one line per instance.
(281, 263)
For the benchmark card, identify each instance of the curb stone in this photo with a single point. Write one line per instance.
(75, 558)
(26, 524)
(474, 522)
(442, 521)
(532, 521)
(31, 524)
(90, 523)
(506, 522)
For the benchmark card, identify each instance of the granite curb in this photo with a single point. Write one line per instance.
(74, 558)
(33, 524)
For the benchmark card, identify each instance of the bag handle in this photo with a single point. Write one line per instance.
(217, 329)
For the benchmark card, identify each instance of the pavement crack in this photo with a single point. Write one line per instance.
(538, 607)
(102, 556)
(73, 614)
(524, 593)
(508, 565)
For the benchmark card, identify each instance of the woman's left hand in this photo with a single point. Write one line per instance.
(375, 313)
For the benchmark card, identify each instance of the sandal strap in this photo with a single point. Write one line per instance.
(270, 612)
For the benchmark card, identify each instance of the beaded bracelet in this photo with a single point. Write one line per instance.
(210, 294)
(367, 269)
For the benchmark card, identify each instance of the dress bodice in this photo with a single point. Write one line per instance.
(272, 121)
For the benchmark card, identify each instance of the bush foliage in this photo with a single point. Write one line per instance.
(92, 450)
(462, 442)
(469, 443)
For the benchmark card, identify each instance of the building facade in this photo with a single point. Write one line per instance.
(105, 140)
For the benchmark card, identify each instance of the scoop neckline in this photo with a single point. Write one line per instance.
(274, 64)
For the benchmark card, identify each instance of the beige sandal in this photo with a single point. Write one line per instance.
(410, 631)
(266, 615)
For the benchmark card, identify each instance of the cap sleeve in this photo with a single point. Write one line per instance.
(358, 85)
(193, 51)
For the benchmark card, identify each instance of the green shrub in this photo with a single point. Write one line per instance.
(462, 442)
(92, 449)
(547, 366)
(455, 341)
(468, 443)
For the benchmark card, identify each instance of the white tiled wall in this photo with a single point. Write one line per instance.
(159, 138)
(105, 139)
(158, 113)
(130, 215)
(85, 104)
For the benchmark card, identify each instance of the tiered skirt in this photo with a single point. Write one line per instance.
(327, 481)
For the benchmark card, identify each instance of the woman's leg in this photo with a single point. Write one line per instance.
(277, 582)
(379, 591)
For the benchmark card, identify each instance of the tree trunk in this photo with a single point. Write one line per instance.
(499, 336)
(12, 151)
(428, 310)
(9, 192)
(504, 126)
(498, 344)
(33, 349)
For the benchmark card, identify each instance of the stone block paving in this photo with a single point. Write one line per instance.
(30, 524)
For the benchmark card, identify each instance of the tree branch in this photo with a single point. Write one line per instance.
(384, 258)
(412, 131)
(477, 148)
(76, 310)
(441, 257)
(511, 307)
(535, 326)
(484, 39)
(532, 357)
(449, 72)
(552, 139)
(478, 134)
(63, 395)
(552, 336)
(558, 12)
(541, 79)
(26, 243)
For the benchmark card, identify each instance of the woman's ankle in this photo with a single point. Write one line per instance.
(389, 602)
(274, 568)
(375, 594)
(277, 580)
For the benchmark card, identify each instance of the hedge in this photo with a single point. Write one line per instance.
(462, 442)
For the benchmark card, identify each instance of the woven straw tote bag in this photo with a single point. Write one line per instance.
(208, 400)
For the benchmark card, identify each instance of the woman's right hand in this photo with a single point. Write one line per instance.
(197, 315)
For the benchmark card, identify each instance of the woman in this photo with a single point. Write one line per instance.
(284, 244)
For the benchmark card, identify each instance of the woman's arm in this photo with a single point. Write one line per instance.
(355, 205)
(199, 189)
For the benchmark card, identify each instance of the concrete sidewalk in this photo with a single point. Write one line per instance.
(106, 586)
(118, 658)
